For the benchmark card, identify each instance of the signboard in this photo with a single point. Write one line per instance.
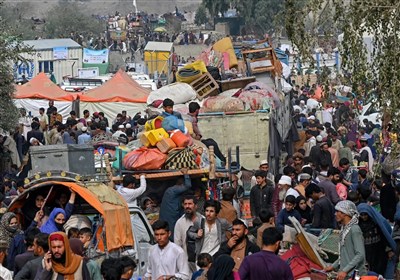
(60, 53)
(90, 72)
(101, 150)
(95, 56)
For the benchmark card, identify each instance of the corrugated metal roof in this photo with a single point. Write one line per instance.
(45, 44)
(158, 46)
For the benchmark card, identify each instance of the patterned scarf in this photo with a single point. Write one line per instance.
(346, 229)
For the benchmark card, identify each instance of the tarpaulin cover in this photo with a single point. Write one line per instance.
(41, 87)
(120, 88)
(111, 109)
(33, 106)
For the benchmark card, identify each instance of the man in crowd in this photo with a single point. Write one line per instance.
(84, 137)
(190, 218)
(324, 211)
(129, 189)
(267, 218)
(55, 117)
(261, 194)
(238, 246)
(4, 272)
(170, 210)
(264, 166)
(40, 247)
(28, 255)
(351, 242)
(228, 211)
(213, 231)
(311, 142)
(166, 259)
(266, 264)
(329, 185)
(365, 154)
(61, 261)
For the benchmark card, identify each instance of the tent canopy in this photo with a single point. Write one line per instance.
(120, 88)
(41, 87)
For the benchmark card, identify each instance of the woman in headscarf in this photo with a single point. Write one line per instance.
(9, 227)
(379, 244)
(222, 268)
(55, 222)
(31, 207)
(304, 210)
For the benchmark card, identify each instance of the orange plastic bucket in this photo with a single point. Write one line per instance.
(179, 138)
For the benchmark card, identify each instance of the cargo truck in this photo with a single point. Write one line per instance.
(248, 130)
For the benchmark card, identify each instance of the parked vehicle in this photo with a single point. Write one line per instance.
(118, 230)
(372, 113)
(248, 130)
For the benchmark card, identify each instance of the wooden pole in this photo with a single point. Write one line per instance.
(212, 163)
(109, 171)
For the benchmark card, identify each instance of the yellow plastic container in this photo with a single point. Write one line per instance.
(152, 137)
(154, 123)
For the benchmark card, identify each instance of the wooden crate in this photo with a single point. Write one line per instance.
(205, 86)
(236, 83)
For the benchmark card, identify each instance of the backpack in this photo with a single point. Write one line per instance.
(191, 242)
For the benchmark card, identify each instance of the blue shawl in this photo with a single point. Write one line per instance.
(50, 226)
(380, 221)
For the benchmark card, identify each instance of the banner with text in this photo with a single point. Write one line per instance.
(60, 53)
(95, 56)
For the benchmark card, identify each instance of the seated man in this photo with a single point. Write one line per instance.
(194, 109)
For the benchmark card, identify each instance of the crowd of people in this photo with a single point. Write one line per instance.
(329, 182)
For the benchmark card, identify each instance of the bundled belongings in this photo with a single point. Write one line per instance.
(180, 93)
(222, 104)
(144, 159)
(187, 75)
(181, 158)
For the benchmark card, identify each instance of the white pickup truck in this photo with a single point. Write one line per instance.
(248, 130)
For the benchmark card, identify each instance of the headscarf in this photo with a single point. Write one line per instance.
(380, 221)
(72, 261)
(221, 269)
(50, 226)
(350, 209)
(7, 233)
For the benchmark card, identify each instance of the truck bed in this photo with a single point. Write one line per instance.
(248, 130)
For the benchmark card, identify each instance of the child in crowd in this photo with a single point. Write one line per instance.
(73, 233)
(285, 213)
(267, 218)
(85, 235)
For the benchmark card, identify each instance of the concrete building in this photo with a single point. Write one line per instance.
(62, 57)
